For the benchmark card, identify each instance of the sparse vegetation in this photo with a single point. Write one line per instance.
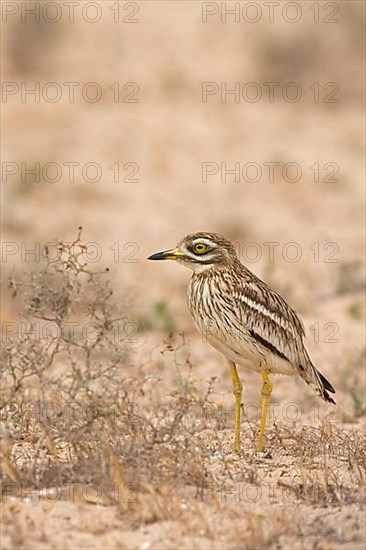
(81, 423)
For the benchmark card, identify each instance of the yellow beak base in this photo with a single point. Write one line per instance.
(172, 254)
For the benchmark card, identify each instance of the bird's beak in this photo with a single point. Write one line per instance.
(172, 254)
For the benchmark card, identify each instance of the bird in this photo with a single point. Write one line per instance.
(243, 318)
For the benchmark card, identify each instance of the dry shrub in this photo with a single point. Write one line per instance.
(71, 395)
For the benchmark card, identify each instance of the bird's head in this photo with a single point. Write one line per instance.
(200, 251)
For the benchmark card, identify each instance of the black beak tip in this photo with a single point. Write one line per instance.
(157, 256)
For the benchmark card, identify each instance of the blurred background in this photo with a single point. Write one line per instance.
(123, 140)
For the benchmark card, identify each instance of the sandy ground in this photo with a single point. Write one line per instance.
(302, 230)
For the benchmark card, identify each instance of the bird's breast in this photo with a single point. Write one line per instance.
(213, 314)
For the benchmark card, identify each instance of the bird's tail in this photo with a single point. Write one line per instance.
(326, 387)
(317, 381)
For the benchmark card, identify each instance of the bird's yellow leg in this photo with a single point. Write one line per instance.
(266, 394)
(238, 391)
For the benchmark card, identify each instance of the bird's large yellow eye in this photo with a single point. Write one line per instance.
(200, 248)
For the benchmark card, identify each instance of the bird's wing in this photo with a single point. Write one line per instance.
(271, 321)
(273, 326)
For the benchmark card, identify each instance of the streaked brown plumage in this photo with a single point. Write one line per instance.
(241, 316)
